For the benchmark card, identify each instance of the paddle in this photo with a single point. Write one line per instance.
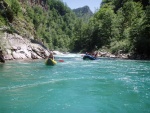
(61, 60)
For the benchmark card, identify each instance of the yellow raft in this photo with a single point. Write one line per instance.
(50, 62)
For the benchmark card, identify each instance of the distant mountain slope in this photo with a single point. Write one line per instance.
(83, 12)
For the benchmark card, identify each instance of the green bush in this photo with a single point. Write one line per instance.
(123, 45)
(15, 6)
(2, 21)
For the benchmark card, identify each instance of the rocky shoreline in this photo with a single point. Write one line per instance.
(16, 47)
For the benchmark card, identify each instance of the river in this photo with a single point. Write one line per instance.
(75, 86)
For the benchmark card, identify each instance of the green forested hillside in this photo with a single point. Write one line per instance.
(83, 13)
(118, 25)
(50, 21)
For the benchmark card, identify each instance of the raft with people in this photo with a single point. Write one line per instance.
(50, 62)
(87, 56)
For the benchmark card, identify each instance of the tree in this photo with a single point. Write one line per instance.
(104, 21)
(141, 32)
(15, 6)
(135, 22)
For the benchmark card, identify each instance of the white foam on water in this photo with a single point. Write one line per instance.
(71, 55)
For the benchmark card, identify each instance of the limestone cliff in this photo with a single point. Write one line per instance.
(15, 46)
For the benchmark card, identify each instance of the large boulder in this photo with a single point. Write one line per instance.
(17, 47)
(16, 55)
(8, 57)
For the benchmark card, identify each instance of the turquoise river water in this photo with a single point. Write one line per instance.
(75, 86)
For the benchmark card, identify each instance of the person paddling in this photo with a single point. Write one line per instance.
(96, 54)
(51, 56)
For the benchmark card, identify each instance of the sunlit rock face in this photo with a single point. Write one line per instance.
(16, 47)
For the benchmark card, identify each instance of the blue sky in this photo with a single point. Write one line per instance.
(93, 4)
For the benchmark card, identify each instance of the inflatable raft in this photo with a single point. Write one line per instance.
(88, 57)
(50, 62)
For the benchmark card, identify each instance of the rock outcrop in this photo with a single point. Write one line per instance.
(16, 47)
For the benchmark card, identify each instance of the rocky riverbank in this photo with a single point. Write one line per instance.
(106, 54)
(15, 46)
